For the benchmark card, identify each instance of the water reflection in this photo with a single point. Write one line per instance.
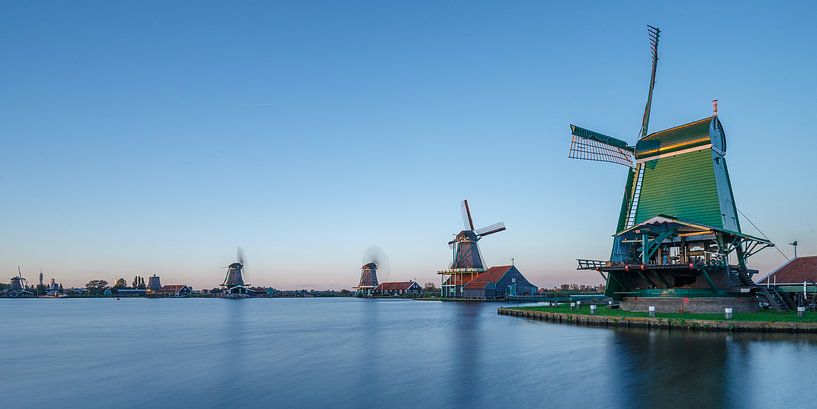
(464, 350)
(669, 369)
(233, 363)
(349, 353)
(369, 353)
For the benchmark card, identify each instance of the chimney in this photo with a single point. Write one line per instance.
(715, 107)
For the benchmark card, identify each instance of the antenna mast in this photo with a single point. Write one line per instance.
(655, 34)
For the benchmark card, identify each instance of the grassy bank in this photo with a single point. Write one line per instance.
(604, 311)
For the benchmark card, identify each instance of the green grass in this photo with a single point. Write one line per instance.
(762, 316)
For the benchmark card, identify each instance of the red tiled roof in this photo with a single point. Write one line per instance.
(478, 285)
(396, 285)
(795, 271)
(492, 274)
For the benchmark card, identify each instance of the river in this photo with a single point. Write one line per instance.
(351, 353)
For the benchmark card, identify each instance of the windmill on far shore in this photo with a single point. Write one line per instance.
(233, 284)
(374, 258)
(466, 252)
(466, 260)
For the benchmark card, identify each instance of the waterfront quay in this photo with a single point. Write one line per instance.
(766, 321)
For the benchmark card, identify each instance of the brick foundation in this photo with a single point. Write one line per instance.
(691, 304)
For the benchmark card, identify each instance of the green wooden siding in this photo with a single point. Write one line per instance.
(682, 187)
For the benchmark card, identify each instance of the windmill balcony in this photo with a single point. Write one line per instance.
(461, 271)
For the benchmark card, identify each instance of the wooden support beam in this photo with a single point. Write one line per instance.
(660, 277)
(613, 278)
(647, 279)
(709, 280)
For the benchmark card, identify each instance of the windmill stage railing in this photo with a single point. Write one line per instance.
(585, 264)
(461, 271)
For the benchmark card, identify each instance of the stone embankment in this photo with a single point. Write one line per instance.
(662, 323)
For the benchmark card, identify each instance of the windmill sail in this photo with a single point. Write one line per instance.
(655, 34)
(494, 228)
(593, 146)
(466, 216)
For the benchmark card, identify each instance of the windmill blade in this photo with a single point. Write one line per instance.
(593, 146)
(654, 34)
(494, 228)
(239, 256)
(466, 216)
(376, 255)
(451, 244)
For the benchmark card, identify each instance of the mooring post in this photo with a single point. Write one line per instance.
(801, 311)
(592, 309)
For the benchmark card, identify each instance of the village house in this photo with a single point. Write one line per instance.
(498, 282)
(175, 290)
(398, 288)
(796, 271)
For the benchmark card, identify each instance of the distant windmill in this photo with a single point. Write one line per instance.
(234, 281)
(18, 282)
(466, 253)
(18, 286)
(154, 283)
(374, 258)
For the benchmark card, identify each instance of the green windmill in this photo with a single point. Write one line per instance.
(678, 243)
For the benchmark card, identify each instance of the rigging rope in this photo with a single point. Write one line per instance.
(761, 233)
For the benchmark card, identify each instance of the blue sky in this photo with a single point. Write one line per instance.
(156, 137)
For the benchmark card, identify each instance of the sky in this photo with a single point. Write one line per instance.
(156, 137)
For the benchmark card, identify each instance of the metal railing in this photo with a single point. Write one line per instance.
(585, 264)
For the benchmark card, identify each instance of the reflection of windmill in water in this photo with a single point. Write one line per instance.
(234, 286)
(374, 259)
(467, 261)
(678, 225)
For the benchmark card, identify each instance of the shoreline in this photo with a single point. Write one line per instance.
(660, 323)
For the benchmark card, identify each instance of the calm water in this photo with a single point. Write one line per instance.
(349, 353)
